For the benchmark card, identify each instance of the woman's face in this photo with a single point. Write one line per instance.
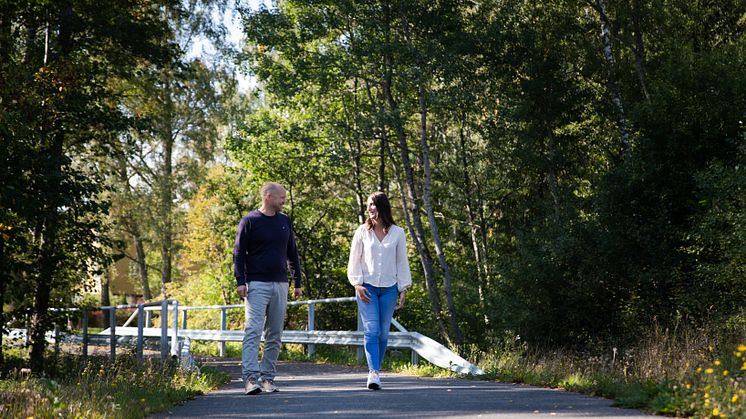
(372, 210)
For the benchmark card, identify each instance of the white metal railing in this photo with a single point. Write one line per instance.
(311, 318)
(419, 344)
(163, 306)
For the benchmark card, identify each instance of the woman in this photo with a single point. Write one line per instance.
(379, 270)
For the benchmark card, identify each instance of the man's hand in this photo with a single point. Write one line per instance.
(297, 292)
(243, 291)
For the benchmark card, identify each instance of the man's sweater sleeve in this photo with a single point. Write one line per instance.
(294, 260)
(239, 251)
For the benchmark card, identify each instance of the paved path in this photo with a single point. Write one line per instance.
(311, 390)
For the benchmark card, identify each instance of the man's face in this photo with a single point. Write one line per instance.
(276, 199)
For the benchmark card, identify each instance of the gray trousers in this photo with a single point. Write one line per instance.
(266, 304)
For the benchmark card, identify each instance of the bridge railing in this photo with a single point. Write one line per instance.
(311, 325)
(419, 344)
(140, 309)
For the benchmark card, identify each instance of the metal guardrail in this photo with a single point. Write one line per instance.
(163, 306)
(419, 344)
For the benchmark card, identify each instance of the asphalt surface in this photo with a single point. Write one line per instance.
(312, 390)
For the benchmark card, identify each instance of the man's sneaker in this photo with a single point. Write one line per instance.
(268, 385)
(251, 386)
(374, 381)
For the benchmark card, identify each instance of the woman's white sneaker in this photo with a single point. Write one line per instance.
(374, 380)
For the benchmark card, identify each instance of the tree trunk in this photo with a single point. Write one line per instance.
(142, 266)
(382, 184)
(356, 150)
(166, 192)
(357, 170)
(105, 300)
(427, 181)
(49, 224)
(616, 95)
(48, 256)
(434, 231)
(5, 35)
(4, 279)
(132, 227)
(639, 49)
(425, 258)
(473, 229)
(418, 233)
(7, 14)
(552, 176)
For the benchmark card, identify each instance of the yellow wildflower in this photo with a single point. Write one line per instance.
(707, 402)
(716, 412)
(725, 373)
(717, 362)
(737, 354)
(742, 392)
(742, 348)
(688, 386)
(734, 398)
(707, 395)
(711, 348)
(709, 371)
(699, 369)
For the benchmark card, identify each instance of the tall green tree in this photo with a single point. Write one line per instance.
(61, 57)
(180, 110)
(555, 157)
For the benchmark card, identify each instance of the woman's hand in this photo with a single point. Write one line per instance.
(402, 297)
(362, 293)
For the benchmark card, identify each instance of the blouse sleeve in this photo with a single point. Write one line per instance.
(403, 275)
(354, 266)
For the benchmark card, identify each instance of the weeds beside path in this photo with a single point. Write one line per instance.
(99, 389)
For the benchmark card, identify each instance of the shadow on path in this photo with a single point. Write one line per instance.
(312, 390)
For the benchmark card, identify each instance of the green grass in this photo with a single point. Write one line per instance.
(100, 389)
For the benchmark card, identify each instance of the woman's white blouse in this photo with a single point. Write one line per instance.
(379, 263)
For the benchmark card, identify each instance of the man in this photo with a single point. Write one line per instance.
(264, 247)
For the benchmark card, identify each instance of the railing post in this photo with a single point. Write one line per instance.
(56, 339)
(311, 327)
(184, 319)
(360, 351)
(140, 326)
(113, 333)
(85, 334)
(223, 325)
(164, 329)
(415, 358)
(175, 337)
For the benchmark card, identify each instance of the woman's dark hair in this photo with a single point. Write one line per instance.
(384, 211)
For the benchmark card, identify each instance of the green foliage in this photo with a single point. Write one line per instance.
(60, 115)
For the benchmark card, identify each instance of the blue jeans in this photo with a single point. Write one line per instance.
(376, 317)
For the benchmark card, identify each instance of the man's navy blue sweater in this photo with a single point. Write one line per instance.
(264, 246)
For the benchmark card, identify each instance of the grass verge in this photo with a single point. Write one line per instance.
(667, 374)
(99, 389)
